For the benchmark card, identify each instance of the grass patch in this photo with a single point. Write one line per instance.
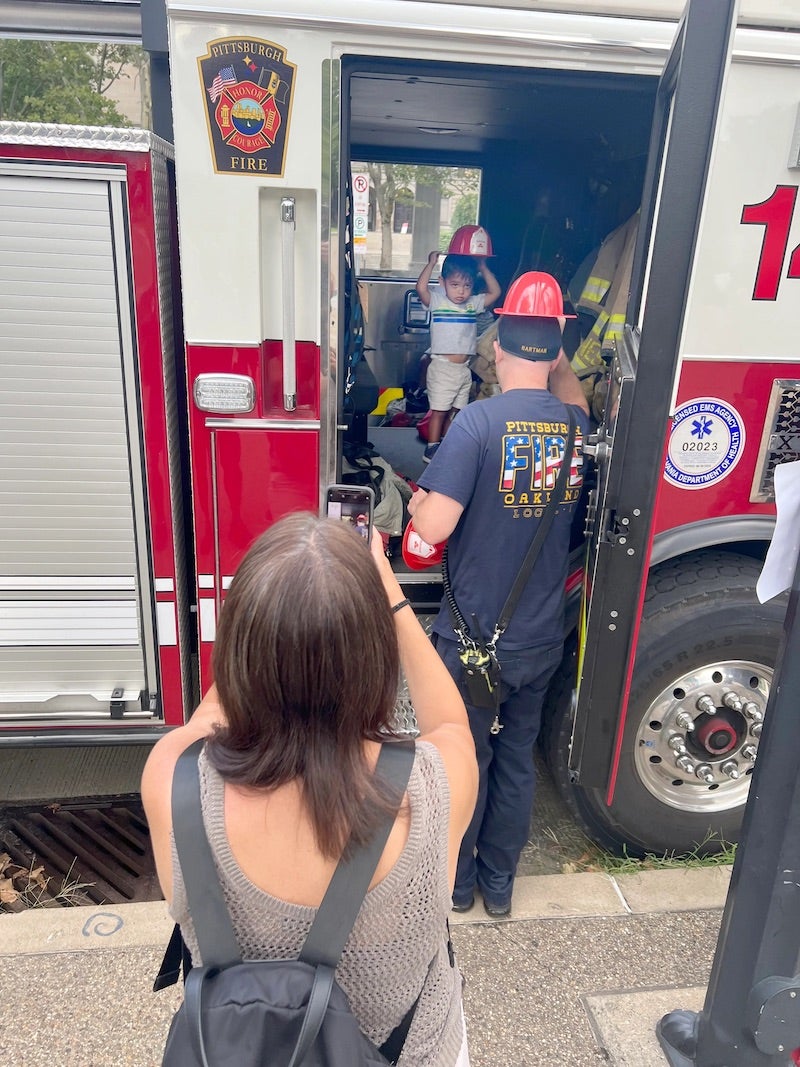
(712, 851)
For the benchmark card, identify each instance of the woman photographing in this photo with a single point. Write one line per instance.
(307, 661)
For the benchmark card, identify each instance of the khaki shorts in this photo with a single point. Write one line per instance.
(448, 384)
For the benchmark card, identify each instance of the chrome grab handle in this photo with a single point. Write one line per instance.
(287, 263)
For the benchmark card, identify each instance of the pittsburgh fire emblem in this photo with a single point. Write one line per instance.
(247, 86)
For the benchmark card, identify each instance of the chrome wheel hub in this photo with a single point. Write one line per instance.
(697, 742)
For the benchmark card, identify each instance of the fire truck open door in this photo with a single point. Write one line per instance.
(629, 445)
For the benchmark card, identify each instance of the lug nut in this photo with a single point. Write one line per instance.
(684, 721)
(676, 743)
(755, 729)
(685, 764)
(705, 773)
(752, 710)
(732, 701)
(731, 768)
(706, 704)
(749, 751)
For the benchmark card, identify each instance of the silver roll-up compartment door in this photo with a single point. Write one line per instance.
(76, 629)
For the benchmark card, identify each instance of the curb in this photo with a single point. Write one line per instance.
(598, 895)
(550, 896)
(119, 926)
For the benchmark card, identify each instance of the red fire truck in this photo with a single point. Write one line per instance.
(160, 410)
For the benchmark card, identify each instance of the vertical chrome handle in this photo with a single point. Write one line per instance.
(287, 263)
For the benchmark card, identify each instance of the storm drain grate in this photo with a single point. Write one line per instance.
(63, 855)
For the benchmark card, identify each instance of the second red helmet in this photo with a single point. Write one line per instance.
(534, 294)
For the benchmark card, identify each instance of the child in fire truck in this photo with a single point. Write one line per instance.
(288, 771)
(454, 308)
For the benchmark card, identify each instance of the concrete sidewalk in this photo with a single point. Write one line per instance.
(578, 976)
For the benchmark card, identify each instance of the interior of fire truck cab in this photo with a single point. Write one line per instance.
(548, 161)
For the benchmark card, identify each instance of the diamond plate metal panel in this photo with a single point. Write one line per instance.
(125, 139)
(780, 440)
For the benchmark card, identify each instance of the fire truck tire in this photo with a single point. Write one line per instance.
(704, 666)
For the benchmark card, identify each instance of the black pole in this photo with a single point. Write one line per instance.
(751, 1016)
(155, 42)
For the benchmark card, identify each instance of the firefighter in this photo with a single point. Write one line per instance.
(599, 291)
(486, 490)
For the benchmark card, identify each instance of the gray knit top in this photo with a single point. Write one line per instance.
(398, 945)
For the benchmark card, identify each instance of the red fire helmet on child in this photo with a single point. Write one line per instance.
(534, 295)
(470, 241)
(418, 554)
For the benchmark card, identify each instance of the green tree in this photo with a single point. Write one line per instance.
(465, 212)
(391, 181)
(53, 81)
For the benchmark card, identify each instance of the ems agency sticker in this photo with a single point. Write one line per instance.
(705, 443)
(247, 87)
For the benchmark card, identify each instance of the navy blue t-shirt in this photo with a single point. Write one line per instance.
(500, 460)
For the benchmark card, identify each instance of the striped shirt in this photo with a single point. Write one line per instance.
(454, 327)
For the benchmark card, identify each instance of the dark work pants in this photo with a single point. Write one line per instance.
(500, 825)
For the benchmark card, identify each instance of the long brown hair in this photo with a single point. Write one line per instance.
(307, 666)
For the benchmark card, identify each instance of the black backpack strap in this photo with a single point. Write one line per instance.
(393, 1045)
(176, 956)
(193, 1004)
(350, 881)
(212, 924)
(315, 1012)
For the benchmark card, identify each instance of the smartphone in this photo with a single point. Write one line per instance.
(353, 504)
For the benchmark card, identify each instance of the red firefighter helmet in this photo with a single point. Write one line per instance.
(418, 554)
(470, 241)
(534, 294)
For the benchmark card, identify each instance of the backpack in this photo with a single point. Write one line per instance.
(361, 465)
(270, 1013)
